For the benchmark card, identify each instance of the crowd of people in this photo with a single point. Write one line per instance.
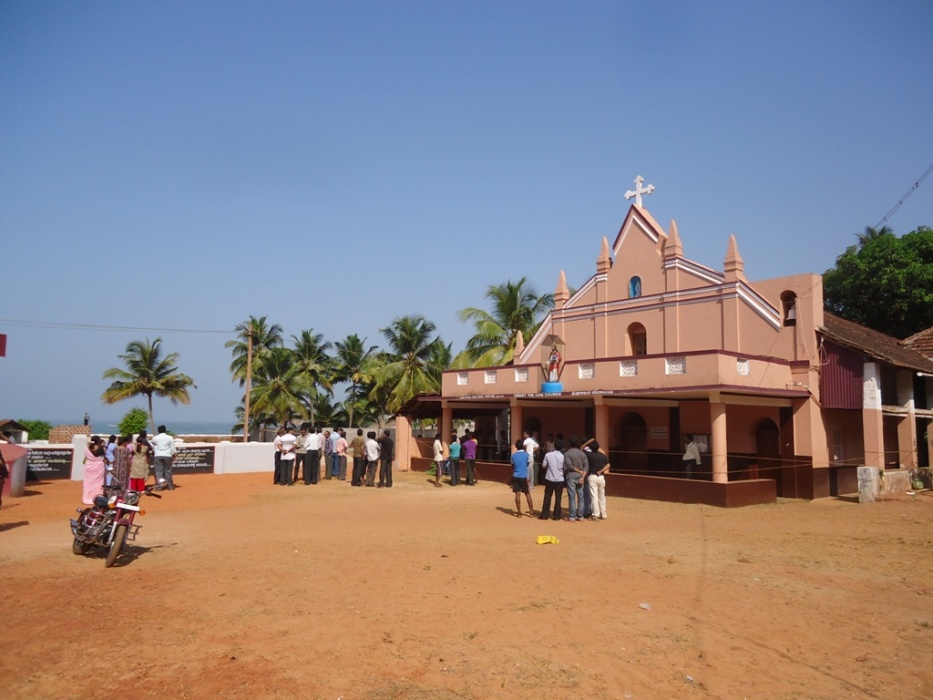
(579, 468)
(127, 462)
(303, 455)
(575, 467)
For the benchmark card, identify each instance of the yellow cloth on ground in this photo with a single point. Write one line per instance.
(547, 539)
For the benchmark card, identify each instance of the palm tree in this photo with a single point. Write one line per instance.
(440, 358)
(254, 340)
(257, 421)
(409, 370)
(279, 387)
(353, 363)
(147, 373)
(515, 307)
(872, 233)
(327, 413)
(314, 363)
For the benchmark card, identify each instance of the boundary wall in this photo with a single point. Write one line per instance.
(228, 457)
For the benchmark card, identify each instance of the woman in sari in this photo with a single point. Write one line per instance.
(93, 470)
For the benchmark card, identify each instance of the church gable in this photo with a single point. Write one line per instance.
(644, 282)
(637, 270)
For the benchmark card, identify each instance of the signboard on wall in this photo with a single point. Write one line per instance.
(42, 464)
(658, 432)
(193, 460)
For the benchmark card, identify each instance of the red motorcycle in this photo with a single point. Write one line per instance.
(108, 524)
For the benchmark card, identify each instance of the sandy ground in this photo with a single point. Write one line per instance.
(237, 588)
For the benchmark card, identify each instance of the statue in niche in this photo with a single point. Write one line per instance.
(553, 365)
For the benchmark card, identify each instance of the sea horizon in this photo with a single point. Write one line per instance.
(187, 427)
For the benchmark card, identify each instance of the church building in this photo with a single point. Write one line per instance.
(781, 398)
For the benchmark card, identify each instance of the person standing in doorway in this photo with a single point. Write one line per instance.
(163, 451)
(691, 458)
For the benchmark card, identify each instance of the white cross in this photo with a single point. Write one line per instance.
(639, 190)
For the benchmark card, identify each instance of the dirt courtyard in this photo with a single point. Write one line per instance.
(237, 588)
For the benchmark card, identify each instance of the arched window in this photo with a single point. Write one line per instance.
(789, 308)
(637, 340)
(634, 287)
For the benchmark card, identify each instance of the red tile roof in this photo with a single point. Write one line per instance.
(921, 342)
(878, 346)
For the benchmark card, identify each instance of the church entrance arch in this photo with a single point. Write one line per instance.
(632, 431)
(532, 425)
(768, 440)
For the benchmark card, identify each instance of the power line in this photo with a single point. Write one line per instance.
(101, 327)
(904, 198)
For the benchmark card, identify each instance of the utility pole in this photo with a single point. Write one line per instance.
(249, 380)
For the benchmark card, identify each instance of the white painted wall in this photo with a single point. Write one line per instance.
(229, 457)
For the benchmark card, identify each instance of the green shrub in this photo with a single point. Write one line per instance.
(136, 419)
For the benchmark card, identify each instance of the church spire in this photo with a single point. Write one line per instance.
(561, 294)
(673, 248)
(603, 262)
(734, 266)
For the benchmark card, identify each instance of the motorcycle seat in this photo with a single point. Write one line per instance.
(100, 501)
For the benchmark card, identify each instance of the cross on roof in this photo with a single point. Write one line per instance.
(639, 190)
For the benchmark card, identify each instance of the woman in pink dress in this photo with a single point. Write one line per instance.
(93, 470)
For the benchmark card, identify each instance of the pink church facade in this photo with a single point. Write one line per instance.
(783, 399)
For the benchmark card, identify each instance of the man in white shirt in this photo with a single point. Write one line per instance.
(287, 446)
(530, 445)
(163, 453)
(372, 456)
(691, 459)
(277, 470)
(438, 458)
(313, 444)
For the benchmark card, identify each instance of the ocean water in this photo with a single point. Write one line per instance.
(109, 426)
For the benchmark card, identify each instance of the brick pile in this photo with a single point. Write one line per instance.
(62, 434)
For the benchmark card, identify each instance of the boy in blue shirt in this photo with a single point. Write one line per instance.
(520, 479)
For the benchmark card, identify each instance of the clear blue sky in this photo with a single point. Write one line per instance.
(333, 165)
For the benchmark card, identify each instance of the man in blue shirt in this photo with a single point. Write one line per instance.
(520, 479)
(334, 454)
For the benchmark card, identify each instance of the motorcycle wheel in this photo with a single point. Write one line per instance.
(79, 547)
(115, 545)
